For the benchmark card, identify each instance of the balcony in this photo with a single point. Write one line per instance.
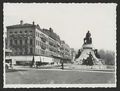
(43, 39)
(51, 43)
(51, 48)
(43, 46)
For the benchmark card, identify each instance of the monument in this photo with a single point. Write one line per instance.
(87, 54)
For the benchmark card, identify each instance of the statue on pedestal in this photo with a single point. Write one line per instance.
(88, 55)
(88, 39)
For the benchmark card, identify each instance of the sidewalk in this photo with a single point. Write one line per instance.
(58, 68)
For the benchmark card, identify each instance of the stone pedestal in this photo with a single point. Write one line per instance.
(87, 54)
(85, 51)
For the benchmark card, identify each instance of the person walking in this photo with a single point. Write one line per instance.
(62, 64)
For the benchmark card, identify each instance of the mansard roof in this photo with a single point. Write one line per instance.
(48, 32)
(52, 34)
(21, 25)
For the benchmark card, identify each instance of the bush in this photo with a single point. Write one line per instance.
(107, 56)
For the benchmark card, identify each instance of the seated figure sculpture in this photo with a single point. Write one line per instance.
(88, 39)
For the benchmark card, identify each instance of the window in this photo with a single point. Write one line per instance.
(30, 41)
(25, 50)
(31, 50)
(15, 32)
(17, 51)
(20, 42)
(39, 51)
(11, 42)
(20, 52)
(36, 33)
(25, 41)
(36, 42)
(30, 32)
(25, 31)
(16, 42)
(20, 31)
(39, 43)
(11, 32)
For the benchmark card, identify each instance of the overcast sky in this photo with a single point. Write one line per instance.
(70, 21)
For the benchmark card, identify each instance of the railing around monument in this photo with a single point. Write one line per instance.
(84, 67)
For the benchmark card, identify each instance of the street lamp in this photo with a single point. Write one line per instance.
(62, 63)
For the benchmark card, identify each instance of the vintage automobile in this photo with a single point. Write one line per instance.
(8, 64)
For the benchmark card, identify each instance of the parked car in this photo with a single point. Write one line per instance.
(8, 64)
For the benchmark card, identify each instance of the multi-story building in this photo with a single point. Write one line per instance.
(8, 51)
(30, 39)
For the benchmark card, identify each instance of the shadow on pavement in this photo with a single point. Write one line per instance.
(14, 70)
(48, 67)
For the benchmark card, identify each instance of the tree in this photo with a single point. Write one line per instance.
(107, 56)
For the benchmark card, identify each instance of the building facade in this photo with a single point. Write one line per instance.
(8, 51)
(30, 39)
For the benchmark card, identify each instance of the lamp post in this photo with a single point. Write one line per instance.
(62, 62)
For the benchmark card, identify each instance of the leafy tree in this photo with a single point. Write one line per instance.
(107, 56)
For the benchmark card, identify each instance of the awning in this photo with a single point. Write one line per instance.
(43, 59)
(30, 58)
(22, 58)
(8, 50)
(46, 59)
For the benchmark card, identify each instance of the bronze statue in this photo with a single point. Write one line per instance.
(88, 39)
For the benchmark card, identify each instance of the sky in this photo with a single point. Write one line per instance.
(70, 21)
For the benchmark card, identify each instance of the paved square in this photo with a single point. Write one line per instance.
(58, 76)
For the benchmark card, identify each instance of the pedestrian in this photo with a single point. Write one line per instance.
(62, 64)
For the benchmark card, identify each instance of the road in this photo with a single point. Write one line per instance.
(57, 76)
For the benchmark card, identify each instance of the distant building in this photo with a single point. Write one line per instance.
(65, 49)
(73, 54)
(30, 40)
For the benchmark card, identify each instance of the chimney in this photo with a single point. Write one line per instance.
(51, 30)
(21, 22)
(33, 23)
